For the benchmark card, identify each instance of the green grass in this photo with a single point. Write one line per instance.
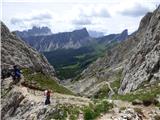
(91, 112)
(116, 83)
(102, 93)
(64, 111)
(44, 82)
(80, 56)
(145, 94)
(70, 66)
(71, 62)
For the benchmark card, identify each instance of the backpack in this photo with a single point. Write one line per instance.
(48, 93)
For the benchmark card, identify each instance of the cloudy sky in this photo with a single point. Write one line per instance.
(108, 16)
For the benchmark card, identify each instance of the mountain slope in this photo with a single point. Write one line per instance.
(17, 52)
(126, 65)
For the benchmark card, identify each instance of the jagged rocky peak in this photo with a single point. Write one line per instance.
(34, 31)
(144, 65)
(4, 30)
(124, 32)
(123, 35)
(82, 32)
(145, 21)
(14, 51)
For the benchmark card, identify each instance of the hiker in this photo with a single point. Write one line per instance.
(47, 94)
(16, 74)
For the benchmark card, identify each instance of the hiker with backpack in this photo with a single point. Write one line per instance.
(16, 74)
(47, 94)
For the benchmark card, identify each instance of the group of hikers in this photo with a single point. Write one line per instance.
(16, 76)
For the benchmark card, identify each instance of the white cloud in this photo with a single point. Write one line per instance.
(32, 19)
(106, 16)
(135, 11)
(82, 21)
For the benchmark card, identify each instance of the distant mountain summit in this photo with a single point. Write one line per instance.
(35, 31)
(113, 37)
(65, 40)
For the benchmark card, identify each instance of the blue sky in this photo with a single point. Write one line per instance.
(108, 16)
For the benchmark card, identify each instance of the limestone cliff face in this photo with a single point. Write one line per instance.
(17, 52)
(138, 57)
(144, 65)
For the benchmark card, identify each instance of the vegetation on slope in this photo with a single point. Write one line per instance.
(41, 81)
(104, 90)
(141, 94)
(69, 63)
(91, 112)
(65, 111)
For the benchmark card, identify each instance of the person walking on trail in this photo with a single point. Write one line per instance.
(16, 75)
(47, 94)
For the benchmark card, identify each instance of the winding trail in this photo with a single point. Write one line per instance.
(38, 96)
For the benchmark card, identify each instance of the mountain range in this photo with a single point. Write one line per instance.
(65, 40)
(78, 48)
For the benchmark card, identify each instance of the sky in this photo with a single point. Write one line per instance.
(107, 16)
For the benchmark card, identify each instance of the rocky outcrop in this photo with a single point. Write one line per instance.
(14, 51)
(144, 65)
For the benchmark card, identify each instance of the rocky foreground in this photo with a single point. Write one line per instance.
(22, 103)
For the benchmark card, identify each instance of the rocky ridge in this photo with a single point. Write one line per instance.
(68, 40)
